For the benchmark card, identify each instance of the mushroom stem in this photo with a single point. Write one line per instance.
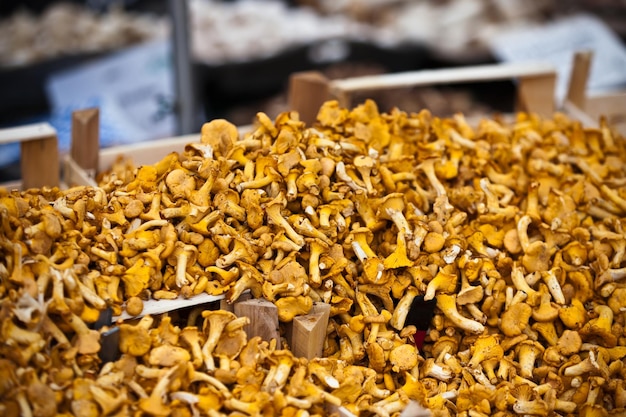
(591, 365)
(460, 140)
(391, 208)
(273, 213)
(181, 269)
(364, 165)
(447, 305)
(241, 251)
(360, 245)
(155, 404)
(340, 170)
(428, 166)
(552, 281)
(532, 201)
(304, 226)
(277, 375)
(50, 328)
(613, 196)
(522, 231)
(520, 283)
(88, 340)
(215, 321)
(527, 354)
(259, 183)
(444, 280)
(316, 248)
(610, 275)
(583, 166)
(22, 401)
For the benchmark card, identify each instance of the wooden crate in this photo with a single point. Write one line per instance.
(308, 90)
(536, 84)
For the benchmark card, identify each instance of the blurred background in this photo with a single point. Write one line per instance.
(149, 64)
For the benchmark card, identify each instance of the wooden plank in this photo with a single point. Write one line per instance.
(86, 139)
(75, 175)
(536, 94)
(145, 153)
(307, 92)
(263, 317)
(40, 162)
(575, 112)
(26, 133)
(151, 152)
(606, 104)
(576, 92)
(441, 76)
(612, 106)
(306, 334)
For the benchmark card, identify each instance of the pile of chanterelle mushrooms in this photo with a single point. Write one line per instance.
(516, 229)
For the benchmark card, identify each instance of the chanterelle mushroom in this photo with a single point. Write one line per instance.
(391, 207)
(220, 135)
(373, 213)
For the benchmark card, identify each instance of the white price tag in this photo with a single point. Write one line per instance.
(557, 42)
(134, 90)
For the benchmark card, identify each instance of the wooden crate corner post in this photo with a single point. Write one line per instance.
(581, 68)
(39, 154)
(81, 164)
(536, 94)
(307, 92)
(306, 334)
(86, 138)
(263, 317)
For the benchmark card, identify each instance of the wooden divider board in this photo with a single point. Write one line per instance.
(535, 89)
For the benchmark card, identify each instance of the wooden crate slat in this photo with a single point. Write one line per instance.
(443, 76)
